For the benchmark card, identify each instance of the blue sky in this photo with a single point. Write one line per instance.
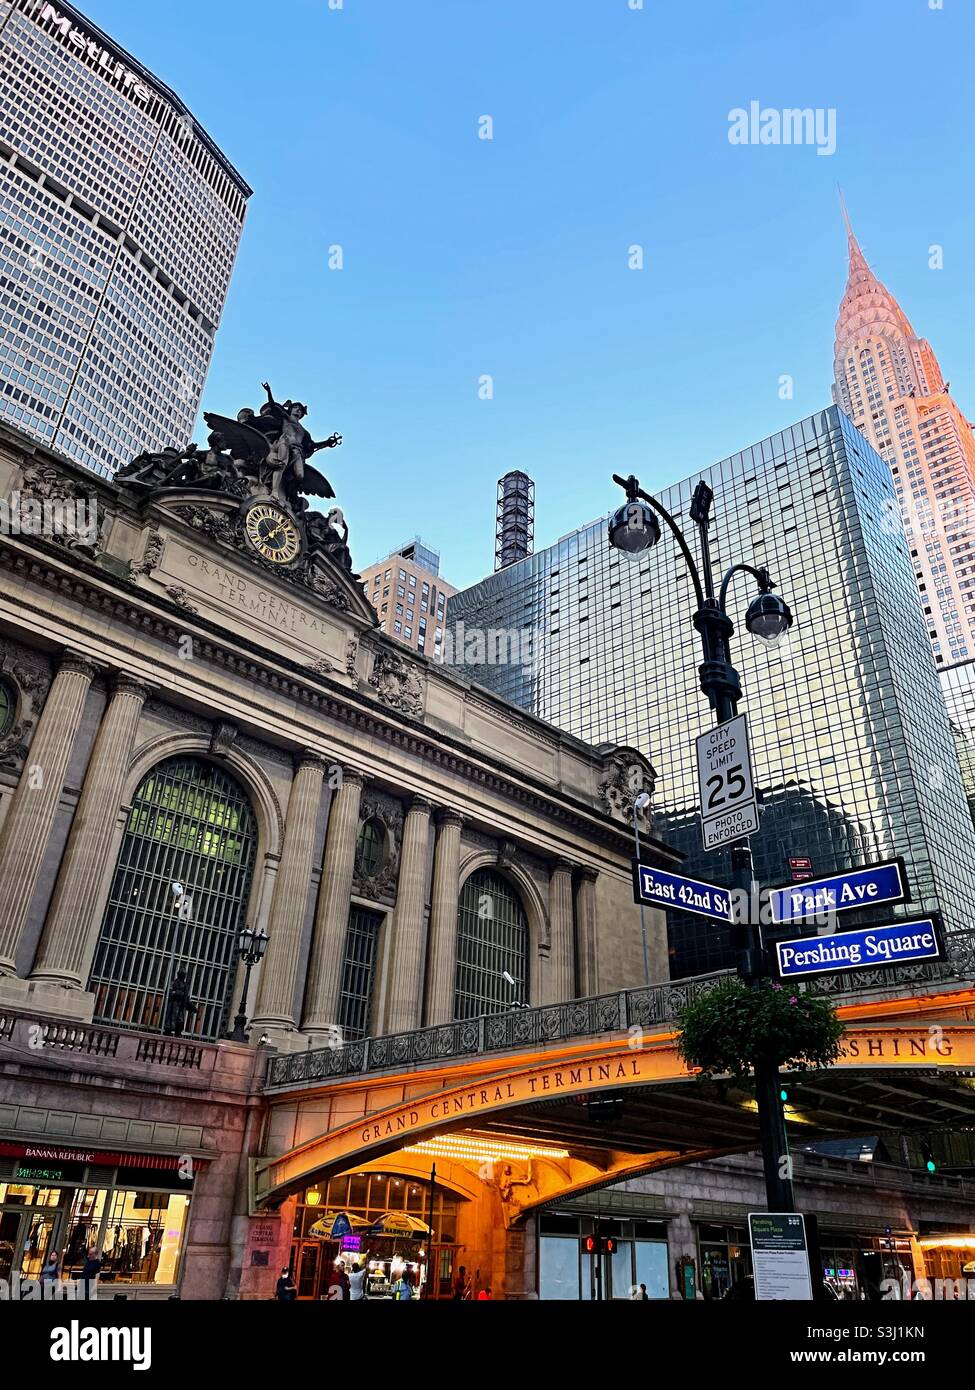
(464, 257)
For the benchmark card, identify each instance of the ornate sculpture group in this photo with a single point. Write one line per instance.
(263, 454)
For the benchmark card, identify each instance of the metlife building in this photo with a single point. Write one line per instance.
(119, 226)
(854, 758)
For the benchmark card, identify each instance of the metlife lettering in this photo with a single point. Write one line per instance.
(108, 64)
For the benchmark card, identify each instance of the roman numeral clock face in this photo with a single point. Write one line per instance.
(272, 533)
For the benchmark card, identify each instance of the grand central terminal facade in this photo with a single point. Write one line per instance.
(199, 738)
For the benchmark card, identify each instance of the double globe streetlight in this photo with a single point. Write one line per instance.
(251, 946)
(633, 530)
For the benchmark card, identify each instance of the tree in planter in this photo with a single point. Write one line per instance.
(734, 1026)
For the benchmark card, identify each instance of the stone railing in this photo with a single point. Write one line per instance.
(576, 1018)
(38, 1035)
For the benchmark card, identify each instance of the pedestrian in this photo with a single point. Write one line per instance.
(357, 1283)
(460, 1284)
(485, 1296)
(638, 1295)
(286, 1292)
(90, 1271)
(50, 1275)
(402, 1289)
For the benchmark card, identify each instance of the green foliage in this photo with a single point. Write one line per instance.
(734, 1025)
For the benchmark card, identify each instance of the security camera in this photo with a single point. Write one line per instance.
(508, 978)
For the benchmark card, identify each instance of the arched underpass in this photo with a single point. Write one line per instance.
(514, 1130)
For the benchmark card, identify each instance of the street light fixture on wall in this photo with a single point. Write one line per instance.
(251, 946)
(633, 530)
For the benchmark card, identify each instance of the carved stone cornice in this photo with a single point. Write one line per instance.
(127, 604)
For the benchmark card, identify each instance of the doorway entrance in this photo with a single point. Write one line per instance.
(26, 1238)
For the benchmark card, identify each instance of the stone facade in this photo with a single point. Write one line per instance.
(163, 637)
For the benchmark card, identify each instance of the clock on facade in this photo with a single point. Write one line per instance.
(272, 533)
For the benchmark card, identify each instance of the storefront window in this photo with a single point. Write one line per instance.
(651, 1267)
(725, 1259)
(143, 1236)
(84, 1224)
(138, 1234)
(559, 1267)
(369, 1196)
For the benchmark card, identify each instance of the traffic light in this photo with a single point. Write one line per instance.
(927, 1153)
(599, 1245)
(783, 1095)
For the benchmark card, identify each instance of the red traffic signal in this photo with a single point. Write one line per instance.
(599, 1245)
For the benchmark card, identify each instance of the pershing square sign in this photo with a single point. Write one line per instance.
(899, 944)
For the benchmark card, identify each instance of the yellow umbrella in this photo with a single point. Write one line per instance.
(333, 1224)
(397, 1223)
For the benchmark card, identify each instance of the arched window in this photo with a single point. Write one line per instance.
(8, 706)
(492, 938)
(371, 849)
(178, 898)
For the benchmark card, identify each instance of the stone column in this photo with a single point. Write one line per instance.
(403, 998)
(561, 965)
(332, 915)
(31, 814)
(70, 934)
(279, 973)
(442, 956)
(586, 919)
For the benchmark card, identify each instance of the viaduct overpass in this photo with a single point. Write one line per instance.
(550, 1102)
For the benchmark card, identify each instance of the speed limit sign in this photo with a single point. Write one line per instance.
(729, 810)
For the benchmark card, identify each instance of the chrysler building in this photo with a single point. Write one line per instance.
(888, 381)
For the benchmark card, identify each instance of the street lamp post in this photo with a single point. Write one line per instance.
(251, 946)
(640, 803)
(633, 530)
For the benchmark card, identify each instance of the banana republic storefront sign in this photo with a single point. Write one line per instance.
(640, 1062)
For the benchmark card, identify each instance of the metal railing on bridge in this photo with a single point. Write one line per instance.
(575, 1018)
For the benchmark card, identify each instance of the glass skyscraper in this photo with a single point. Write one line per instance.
(119, 226)
(853, 753)
(958, 688)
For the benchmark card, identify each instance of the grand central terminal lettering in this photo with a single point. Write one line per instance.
(251, 598)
